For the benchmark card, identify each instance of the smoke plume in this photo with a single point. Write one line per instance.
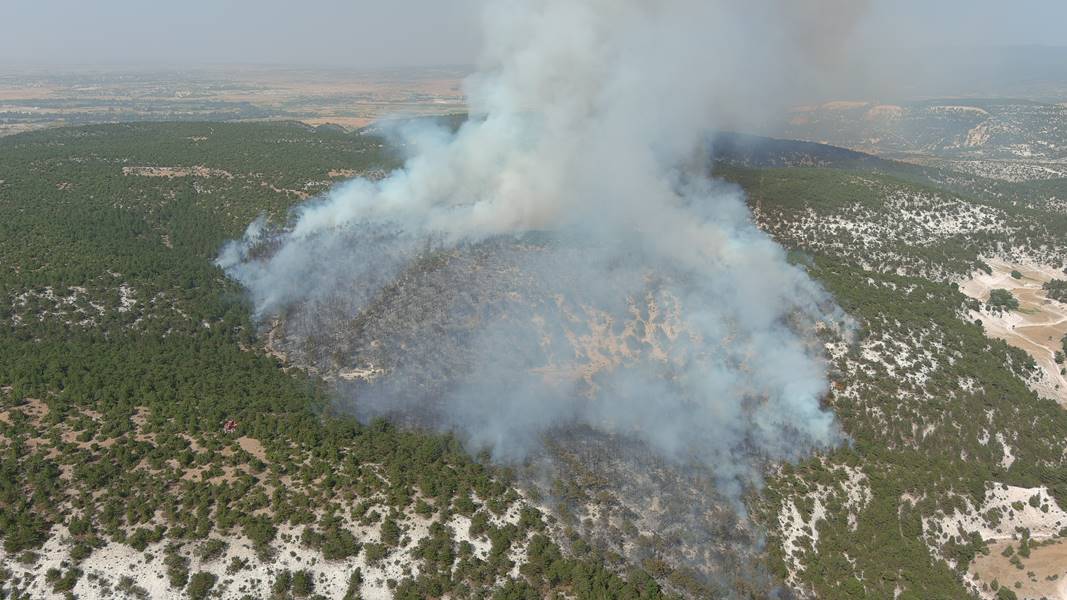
(561, 261)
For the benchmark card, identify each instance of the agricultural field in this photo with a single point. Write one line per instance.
(37, 97)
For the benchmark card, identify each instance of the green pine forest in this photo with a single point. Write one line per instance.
(124, 350)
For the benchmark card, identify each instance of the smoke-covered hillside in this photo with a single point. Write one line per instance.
(165, 353)
(550, 325)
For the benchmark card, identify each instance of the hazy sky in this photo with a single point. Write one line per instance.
(969, 22)
(354, 33)
(363, 33)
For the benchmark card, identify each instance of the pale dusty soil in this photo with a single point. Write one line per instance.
(1044, 562)
(601, 344)
(34, 409)
(1037, 327)
(884, 111)
(843, 104)
(26, 93)
(253, 447)
(148, 571)
(364, 374)
(347, 122)
(959, 108)
(799, 535)
(111, 562)
(1044, 525)
(140, 417)
(172, 172)
(298, 193)
(1040, 523)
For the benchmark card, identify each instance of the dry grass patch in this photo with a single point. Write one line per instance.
(1043, 573)
(1037, 326)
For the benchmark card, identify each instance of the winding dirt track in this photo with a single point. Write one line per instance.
(1037, 327)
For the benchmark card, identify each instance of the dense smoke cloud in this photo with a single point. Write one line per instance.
(637, 297)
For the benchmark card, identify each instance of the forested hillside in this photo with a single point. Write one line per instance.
(949, 450)
(151, 445)
(138, 410)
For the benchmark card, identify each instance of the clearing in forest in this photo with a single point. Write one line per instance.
(1038, 326)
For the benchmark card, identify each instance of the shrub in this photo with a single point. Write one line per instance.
(236, 565)
(1006, 594)
(1056, 289)
(282, 583)
(390, 532)
(177, 567)
(67, 581)
(200, 585)
(212, 549)
(303, 583)
(1002, 299)
(355, 582)
(374, 552)
(80, 552)
(338, 544)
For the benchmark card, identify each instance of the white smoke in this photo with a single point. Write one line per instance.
(588, 120)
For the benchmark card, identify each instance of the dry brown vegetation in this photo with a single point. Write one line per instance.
(1041, 575)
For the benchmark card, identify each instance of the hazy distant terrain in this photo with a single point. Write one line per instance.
(37, 97)
(1010, 140)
